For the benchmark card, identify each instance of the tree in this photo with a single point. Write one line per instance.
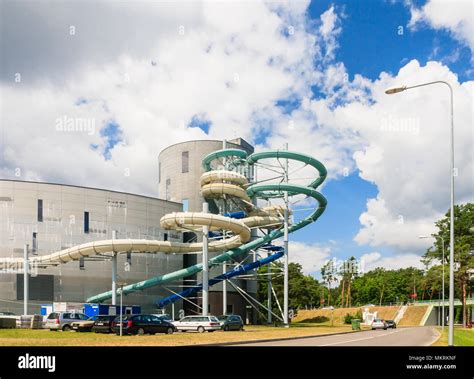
(302, 289)
(463, 244)
(328, 273)
(348, 272)
(380, 286)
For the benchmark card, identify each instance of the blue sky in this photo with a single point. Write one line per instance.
(147, 85)
(370, 43)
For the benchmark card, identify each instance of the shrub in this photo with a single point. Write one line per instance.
(316, 320)
(348, 318)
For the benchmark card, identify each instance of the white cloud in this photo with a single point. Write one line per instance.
(330, 30)
(400, 143)
(407, 154)
(382, 228)
(229, 62)
(455, 16)
(310, 256)
(371, 261)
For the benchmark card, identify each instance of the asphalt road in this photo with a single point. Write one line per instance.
(413, 336)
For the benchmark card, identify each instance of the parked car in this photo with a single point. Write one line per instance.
(198, 323)
(391, 324)
(379, 323)
(142, 324)
(63, 320)
(231, 322)
(103, 324)
(84, 325)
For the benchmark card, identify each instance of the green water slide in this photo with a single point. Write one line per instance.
(263, 191)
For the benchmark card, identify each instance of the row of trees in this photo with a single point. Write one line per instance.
(345, 286)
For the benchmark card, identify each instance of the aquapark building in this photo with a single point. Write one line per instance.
(211, 222)
(52, 217)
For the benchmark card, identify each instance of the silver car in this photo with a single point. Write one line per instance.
(63, 320)
(198, 323)
(379, 323)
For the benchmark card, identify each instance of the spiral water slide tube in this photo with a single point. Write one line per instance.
(228, 275)
(216, 184)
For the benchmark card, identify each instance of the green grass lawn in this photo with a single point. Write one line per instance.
(44, 337)
(462, 337)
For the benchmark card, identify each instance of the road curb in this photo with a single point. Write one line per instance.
(435, 339)
(280, 339)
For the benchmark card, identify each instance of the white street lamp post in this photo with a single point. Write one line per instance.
(121, 285)
(451, 226)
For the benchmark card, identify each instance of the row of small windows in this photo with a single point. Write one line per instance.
(40, 219)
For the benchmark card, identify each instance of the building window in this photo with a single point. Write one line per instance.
(159, 172)
(185, 205)
(35, 243)
(167, 190)
(185, 161)
(86, 222)
(230, 309)
(40, 210)
(165, 237)
(82, 264)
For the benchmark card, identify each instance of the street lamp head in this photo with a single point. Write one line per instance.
(391, 91)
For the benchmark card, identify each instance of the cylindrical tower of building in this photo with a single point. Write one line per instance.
(180, 169)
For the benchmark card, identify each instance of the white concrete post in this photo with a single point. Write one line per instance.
(285, 243)
(205, 264)
(114, 272)
(25, 279)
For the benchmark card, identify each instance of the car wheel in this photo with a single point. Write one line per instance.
(201, 329)
(140, 331)
(373, 328)
(241, 328)
(226, 328)
(169, 331)
(66, 328)
(384, 328)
